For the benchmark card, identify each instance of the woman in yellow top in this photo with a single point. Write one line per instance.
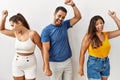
(97, 43)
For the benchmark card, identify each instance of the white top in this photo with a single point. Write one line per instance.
(27, 46)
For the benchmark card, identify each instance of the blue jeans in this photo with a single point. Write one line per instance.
(97, 68)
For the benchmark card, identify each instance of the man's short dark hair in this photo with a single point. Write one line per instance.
(60, 8)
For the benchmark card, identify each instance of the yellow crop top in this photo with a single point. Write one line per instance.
(102, 51)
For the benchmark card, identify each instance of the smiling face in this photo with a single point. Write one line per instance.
(99, 25)
(59, 17)
(96, 25)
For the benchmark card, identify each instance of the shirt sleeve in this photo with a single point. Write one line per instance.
(67, 23)
(45, 36)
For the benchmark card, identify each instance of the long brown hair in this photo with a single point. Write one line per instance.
(20, 17)
(95, 41)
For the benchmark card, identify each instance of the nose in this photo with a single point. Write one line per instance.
(60, 18)
(12, 28)
(100, 25)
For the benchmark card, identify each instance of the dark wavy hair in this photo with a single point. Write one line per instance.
(19, 17)
(95, 41)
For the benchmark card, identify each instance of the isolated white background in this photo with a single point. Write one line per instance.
(39, 13)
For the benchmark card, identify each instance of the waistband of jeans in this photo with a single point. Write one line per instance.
(98, 57)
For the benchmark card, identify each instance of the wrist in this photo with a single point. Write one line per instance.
(73, 5)
(4, 17)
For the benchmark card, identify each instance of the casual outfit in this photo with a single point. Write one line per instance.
(24, 65)
(60, 51)
(98, 62)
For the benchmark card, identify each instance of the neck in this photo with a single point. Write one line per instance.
(53, 23)
(21, 30)
(99, 33)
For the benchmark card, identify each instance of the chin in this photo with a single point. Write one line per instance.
(57, 24)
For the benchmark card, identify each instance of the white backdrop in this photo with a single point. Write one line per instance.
(39, 13)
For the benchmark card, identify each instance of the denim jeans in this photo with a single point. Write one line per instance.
(97, 68)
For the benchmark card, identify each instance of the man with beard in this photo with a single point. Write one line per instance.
(56, 48)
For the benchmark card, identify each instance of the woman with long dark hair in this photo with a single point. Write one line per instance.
(97, 43)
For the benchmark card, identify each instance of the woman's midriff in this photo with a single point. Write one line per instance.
(25, 54)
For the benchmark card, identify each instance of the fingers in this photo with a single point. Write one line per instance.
(68, 2)
(48, 72)
(81, 72)
(4, 13)
(111, 12)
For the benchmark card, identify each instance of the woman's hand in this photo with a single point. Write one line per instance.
(4, 13)
(112, 13)
(81, 72)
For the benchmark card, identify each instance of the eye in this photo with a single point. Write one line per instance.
(101, 22)
(59, 16)
(96, 24)
(11, 25)
(63, 17)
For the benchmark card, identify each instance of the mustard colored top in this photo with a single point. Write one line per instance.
(102, 51)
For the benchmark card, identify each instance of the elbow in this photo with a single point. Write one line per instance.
(79, 18)
(119, 27)
(2, 28)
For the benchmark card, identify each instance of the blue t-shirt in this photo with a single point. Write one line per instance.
(59, 44)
